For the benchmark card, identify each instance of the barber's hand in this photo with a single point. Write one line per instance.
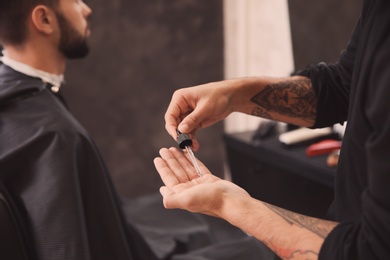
(184, 189)
(198, 107)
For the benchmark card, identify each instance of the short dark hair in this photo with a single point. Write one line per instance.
(13, 18)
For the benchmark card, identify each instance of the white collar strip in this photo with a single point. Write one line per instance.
(55, 80)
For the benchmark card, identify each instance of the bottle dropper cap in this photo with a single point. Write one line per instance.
(183, 140)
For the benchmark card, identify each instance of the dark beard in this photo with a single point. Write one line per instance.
(73, 45)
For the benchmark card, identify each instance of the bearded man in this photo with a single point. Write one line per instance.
(52, 178)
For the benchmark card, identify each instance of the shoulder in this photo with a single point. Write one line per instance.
(38, 120)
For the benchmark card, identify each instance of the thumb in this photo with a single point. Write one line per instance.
(170, 198)
(191, 123)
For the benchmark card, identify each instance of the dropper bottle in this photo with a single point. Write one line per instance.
(185, 142)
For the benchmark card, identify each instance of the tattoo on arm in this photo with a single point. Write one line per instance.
(294, 98)
(317, 226)
(260, 112)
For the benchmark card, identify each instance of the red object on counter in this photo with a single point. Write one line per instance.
(323, 147)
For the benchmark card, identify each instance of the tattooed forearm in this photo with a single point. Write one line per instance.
(317, 226)
(293, 98)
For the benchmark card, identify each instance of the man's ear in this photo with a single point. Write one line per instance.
(43, 19)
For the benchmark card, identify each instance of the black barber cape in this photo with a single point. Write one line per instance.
(65, 204)
(56, 180)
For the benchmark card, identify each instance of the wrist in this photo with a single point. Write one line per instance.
(236, 208)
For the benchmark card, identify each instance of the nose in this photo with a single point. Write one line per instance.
(86, 10)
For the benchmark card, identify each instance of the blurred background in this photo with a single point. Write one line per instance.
(142, 51)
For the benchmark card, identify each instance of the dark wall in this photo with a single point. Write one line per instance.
(321, 29)
(141, 52)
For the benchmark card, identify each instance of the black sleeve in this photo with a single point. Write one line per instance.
(331, 83)
(367, 239)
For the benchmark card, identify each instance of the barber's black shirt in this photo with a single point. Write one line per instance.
(357, 89)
